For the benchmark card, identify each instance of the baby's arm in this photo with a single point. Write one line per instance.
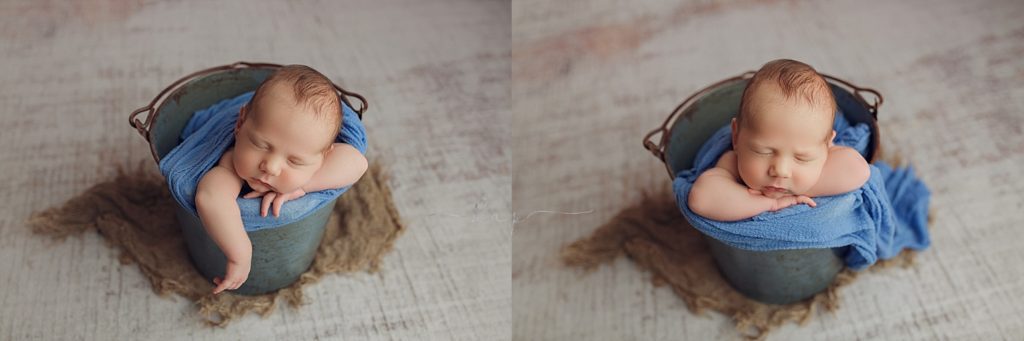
(845, 170)
(343, 166)
(718, 195)
(215, 201)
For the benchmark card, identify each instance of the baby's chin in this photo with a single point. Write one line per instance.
(775, 195)
(259, 187)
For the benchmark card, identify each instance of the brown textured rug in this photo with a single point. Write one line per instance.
(655, 236)
(135, 214)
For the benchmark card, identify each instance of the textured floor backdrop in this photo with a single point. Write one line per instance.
(598, 75)
(436, 74)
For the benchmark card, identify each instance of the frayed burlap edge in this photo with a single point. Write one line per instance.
(134, 212)
(656, 237)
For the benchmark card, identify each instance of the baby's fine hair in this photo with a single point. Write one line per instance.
(794, 79)
(309, 88)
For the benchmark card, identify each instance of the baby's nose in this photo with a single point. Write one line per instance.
(779, 171)
(270, 168)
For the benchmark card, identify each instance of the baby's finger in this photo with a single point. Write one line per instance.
(267, 200)
(807, 200)
(277, 204)
(753, 191)
(253, 194)
(223, 285)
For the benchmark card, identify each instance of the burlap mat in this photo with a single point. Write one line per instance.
(135, 214)
(656, 237)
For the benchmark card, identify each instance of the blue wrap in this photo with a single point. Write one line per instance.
(887, 214)
(208, 135)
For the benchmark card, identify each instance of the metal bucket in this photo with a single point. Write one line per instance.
(776, 277)
(279, 254)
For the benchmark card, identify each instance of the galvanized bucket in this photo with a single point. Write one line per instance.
(776, 277)
(279, 254)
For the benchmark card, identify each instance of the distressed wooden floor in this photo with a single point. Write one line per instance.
(437, 75)
(590, 78)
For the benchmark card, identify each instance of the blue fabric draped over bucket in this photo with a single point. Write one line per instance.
(210, 132)
(887, 214)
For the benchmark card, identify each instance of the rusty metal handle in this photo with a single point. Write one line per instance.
(857, 93)
(655, 148)
(362, 100)
(658, 149)
(144, 127)
(877, 102)
(141, 127)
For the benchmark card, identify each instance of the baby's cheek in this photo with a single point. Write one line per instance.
(238, 164)
(296, 180)
(308, 175)
(243, 164)
(812, 179)
(750, 172)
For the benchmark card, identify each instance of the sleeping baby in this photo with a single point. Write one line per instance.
(284, 148)
(782, 151)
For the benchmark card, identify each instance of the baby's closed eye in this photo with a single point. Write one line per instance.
(799, 158)
(805, 159)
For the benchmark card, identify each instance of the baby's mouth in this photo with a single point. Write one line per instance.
(264, 184)
(775, 189)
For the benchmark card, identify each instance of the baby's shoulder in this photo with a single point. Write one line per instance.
(225, 161)
(728, 162)
(727, 159)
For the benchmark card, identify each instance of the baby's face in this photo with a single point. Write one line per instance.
(280, 147)
(782, 149)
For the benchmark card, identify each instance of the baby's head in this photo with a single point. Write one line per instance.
(285, 131)
(783, 131)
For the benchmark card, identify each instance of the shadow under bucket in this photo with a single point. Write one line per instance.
(279, 254)
(775, 277)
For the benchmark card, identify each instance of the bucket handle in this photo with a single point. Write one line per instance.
(876, 103)
(144, 127)
(658, 149)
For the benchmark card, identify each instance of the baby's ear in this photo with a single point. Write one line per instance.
(831, 139)
(733, 124)
(327, 151)
(241, 118)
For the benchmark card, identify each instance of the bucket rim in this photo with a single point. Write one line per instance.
(658, 149)
(153, 108)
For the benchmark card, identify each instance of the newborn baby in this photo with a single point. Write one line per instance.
(782, 152)
(284, 148)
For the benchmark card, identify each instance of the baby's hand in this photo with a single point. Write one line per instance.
(790, 200)
(786, 200)
(234, 276)
(275, 198)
